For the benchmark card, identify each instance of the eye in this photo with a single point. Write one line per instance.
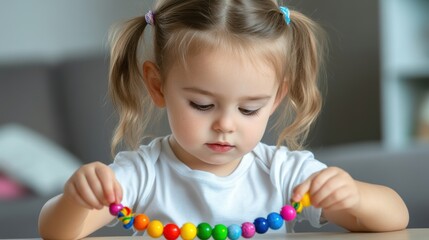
(200, 107)
(248, 112)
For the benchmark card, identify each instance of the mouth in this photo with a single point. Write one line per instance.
(220, 147)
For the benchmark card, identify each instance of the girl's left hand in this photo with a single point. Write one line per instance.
(331, 189)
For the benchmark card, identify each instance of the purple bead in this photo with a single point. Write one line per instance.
(114, 208)
(261, 225)
(247, 230)
(288, 213)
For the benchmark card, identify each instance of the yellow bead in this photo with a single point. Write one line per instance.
(188, 231)
(306, 200)
(155, 229)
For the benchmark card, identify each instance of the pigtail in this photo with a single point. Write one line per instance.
(304, 101)
(126, 86)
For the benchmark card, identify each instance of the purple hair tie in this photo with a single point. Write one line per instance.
(149, 17)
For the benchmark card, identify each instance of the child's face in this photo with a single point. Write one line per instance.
(218, 109)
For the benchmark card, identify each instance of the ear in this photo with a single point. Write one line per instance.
(281, 94)
(153, 82)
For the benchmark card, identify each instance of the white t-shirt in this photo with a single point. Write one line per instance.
(156, 183)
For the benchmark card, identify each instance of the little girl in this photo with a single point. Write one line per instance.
(220, 69)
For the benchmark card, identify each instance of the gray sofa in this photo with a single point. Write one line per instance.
(66, 102)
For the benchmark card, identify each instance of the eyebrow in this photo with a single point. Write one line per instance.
(204, 92)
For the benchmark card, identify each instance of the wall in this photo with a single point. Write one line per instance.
(50, 30)
(351, 111)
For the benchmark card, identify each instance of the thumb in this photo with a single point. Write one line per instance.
(302, 188)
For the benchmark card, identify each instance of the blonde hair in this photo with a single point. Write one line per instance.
(252, 28)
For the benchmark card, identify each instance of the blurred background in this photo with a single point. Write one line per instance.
(55, 113)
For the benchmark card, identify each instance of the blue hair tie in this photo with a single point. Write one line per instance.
(286, 14)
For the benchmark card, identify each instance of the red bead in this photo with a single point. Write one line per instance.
(171, 231)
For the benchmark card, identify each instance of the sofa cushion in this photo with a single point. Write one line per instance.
(405, 170)
(27, 99)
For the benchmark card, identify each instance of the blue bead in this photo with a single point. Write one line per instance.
(234, 232)
(275, 220)
(261, 225)
(129, 224)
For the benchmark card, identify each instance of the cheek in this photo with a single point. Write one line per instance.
(183, 124)
(253, 131)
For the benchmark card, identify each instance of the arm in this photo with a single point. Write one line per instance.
(82, 208)
(62, 218)
(354, 205)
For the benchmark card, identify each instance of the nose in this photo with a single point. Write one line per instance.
(224, 123)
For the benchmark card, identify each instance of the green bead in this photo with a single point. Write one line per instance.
(220, 232)
(204, 231)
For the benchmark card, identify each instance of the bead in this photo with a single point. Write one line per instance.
(155, 229)
(288, 213)
(204, 231)
(275, 220)
(219, 232)
(114, 208)
(247, 230)
(306, 200)
(171, 231)
(126, 211)
(126, 216)
(140, 222)
(188, 231)
(261, 225)
(234, 232)
(128, 221)
(298, 206)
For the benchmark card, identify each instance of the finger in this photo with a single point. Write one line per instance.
(96, 188)
(86, 193)
(320, 180)
(325, 189)
(106, 180)
(302, 188)
(323, 185)
(70, 190)
(338, 200)
(332, 193)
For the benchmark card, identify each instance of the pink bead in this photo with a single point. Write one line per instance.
(247, 230)
(114, 208)
(288, 213)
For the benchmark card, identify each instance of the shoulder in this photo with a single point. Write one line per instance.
(144, 155)
(270, 155)
(286, 165)
(135, 170)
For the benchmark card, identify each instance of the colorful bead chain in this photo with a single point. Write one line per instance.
(204, 231)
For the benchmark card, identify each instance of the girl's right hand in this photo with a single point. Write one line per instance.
(93, 186)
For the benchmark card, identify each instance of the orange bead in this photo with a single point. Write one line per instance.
(140, 222)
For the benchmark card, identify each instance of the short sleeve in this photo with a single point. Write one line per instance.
(308, 167)
(289, 169)
(126, 169)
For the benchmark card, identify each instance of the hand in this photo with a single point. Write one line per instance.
(93, 186)
(331, 189)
